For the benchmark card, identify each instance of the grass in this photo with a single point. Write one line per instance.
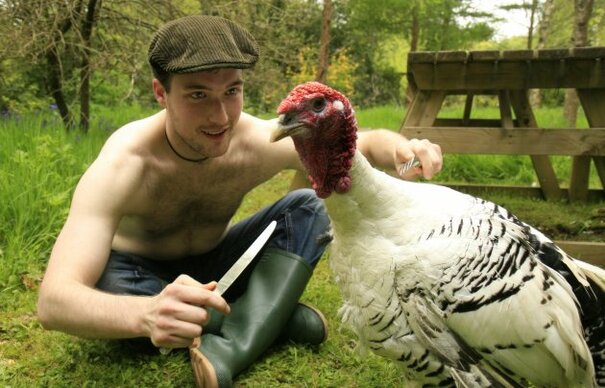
(39, 166)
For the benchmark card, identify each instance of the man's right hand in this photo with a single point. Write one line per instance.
(178, 313)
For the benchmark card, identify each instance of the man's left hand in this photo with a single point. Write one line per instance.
(425, 159)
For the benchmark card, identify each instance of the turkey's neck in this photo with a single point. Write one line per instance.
(327, 155)
(363, 197)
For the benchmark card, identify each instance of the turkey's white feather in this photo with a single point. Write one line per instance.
(442, 281)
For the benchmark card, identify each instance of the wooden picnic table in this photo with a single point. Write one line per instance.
(509, 75)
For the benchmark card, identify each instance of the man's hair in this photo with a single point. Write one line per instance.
(197, 43)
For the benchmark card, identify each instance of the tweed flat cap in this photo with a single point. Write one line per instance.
(201, 42)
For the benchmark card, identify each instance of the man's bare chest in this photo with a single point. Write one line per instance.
(186, 199)
(192, 199)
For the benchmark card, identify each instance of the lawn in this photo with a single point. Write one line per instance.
(40, 164)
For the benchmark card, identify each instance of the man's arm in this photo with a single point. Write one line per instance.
(68, 300)
(387, 149)
(384, 149)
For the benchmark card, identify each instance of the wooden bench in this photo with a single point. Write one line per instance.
(508, 75)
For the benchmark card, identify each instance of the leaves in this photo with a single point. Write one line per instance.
(363, 33)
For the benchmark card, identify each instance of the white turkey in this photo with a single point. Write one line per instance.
(454, 288)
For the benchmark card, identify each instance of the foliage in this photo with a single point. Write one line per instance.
(37, 172)
(364, 32)
(281, 28)
(39, 168)
(340, 76)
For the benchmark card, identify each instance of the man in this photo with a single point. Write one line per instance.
(149, 227)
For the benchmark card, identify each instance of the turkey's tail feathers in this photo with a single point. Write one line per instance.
(479, 377)
(592, 272)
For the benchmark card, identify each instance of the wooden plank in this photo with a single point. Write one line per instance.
(475, 76)
(588, 52)
(468, 106)
(599, 162)
(542, 165)
(424, 108)
(578, 182)
(493, 55)
(506, 116)
(494, 123)
(482, 190)
(515, 141)
(593, 102)
(451, 56)
(590, 252)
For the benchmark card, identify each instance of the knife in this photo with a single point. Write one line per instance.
(244, 260)
(405, 167)
(240, 265)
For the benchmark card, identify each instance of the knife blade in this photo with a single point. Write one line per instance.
(240, 265)
(405, 167)
(245, 259)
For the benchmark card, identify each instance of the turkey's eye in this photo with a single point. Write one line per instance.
(318, 104)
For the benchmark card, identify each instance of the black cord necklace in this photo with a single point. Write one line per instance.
(181, 156)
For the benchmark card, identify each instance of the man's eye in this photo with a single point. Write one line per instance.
(318, 104)
(232, 91)
(198, 95)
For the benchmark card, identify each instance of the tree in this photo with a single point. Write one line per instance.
(324, 43)
(530, 6)
(284, 30)
(543, 31)
(579, 38)
(85, 70)
(61, 34)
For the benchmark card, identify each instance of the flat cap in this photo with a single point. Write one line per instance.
(201, 42)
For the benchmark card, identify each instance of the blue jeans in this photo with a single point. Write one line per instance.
(302, 228)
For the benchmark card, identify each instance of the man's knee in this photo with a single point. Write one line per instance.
(310, 225)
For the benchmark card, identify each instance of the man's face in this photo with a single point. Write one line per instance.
(203, 109)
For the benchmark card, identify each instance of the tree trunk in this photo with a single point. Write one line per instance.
(55, 74)
(415, 29)
(579, 38)
(56, 88)
(543, 30)
(85, 70)
(414, 37)
(324, 43)
(530, 31)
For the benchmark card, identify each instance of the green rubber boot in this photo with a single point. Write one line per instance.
(256, 319)
(306, 326)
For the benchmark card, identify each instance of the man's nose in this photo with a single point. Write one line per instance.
(218, 114)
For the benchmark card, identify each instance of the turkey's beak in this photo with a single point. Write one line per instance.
(286, 126)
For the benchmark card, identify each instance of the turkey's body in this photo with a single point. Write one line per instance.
(454, 288)
(451, 286)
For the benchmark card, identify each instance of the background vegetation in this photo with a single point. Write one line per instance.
(72, 71)
(77, 56)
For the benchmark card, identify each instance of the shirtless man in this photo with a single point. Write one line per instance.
(149, 228)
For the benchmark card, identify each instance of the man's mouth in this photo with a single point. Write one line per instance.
(214, 133)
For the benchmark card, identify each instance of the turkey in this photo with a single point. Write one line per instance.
(453, 288)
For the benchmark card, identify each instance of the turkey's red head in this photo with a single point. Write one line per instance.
(322, 124)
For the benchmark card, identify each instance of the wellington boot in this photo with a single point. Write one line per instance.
(256, 319)
(306, 326)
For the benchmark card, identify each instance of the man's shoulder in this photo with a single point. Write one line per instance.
(135, 140)
(130, 148)
(256, 138)
(248, 122)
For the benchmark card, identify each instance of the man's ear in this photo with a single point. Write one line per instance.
(159, 92)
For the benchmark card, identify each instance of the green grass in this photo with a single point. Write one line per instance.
(39, 166)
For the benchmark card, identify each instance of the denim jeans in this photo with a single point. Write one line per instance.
(302, 229)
